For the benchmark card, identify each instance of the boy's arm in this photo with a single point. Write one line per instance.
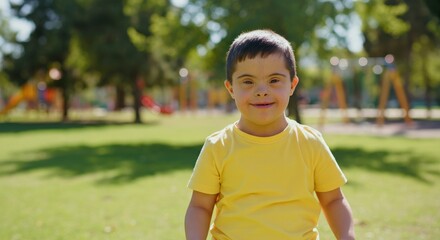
(198, 215)
(338, 213)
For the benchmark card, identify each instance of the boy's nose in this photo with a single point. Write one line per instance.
(261, 91)
(262, 94)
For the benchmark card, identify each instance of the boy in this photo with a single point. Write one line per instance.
(263, 171)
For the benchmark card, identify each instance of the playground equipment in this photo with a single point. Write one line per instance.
(336, 83)
(389, 75)
(187, 91)
(27, 93)
(149, 103)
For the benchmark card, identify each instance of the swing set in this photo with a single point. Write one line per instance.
(388, 77)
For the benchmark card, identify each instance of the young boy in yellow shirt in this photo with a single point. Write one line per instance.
(263, 171)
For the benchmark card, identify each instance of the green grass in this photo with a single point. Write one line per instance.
(102, 180)
(394, 185)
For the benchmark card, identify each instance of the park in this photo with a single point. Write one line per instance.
(128, 181)
(105, 106)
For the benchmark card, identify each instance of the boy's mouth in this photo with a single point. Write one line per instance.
(262, 105)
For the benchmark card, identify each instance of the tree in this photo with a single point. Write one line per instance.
(48, 45)
(7, 37)
(296, 20)
(7, 47)
(397, 27)
(131, 42)
(434, 7)
(103, 38)
(124, 43)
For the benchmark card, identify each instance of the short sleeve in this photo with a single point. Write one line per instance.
(205, 177)
(328, 174)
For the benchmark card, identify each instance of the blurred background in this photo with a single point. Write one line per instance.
(105, 104)
(169, 56)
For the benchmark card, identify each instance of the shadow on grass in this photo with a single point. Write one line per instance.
(405, 163)
(121, 163)
(113, 163)
(17, 127)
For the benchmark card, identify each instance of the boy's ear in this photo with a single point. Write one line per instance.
(293, 84)
(228, 86)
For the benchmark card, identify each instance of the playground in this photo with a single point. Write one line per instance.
(190, 95)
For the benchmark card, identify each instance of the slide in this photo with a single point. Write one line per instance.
(27, 92)
(13, 102)
(149, 103)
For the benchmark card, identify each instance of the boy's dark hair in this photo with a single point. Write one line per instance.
(259, 42)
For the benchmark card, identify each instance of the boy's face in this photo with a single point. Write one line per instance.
(261, 88)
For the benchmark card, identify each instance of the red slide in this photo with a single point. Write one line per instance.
(149, 103)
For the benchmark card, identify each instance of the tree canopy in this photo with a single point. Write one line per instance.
(133, 43)
(298, 21)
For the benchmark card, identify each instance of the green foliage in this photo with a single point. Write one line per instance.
(225, 20)
(172, 41)
(298, 21)
(118, 42)
(103, 38)
(408, 30)
(7, 39)
(48, 44)
(434, 7)
(378, 14)
(426, 65)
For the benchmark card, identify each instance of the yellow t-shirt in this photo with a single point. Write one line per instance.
(266, 185)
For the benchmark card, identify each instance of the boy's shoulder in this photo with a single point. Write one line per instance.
(305, 131)
(221, 135)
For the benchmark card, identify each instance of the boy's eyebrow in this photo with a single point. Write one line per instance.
(270, 75)
(277, 74)
(245, 75)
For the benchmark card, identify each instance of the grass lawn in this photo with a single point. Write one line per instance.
(126, 181)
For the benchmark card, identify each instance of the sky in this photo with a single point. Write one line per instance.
(23, 28)
(354, 35)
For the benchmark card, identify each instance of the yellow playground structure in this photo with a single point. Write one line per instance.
(387, 75)
(27, 92)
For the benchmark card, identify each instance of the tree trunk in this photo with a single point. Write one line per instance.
(66, 100)
(428, 88)
(120, 97)
(407, 69)
(136, 99)
(65, 93)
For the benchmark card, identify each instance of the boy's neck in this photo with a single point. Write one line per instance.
(267, 130)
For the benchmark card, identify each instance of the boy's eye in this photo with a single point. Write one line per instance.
(247, 82)
(274, 80)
